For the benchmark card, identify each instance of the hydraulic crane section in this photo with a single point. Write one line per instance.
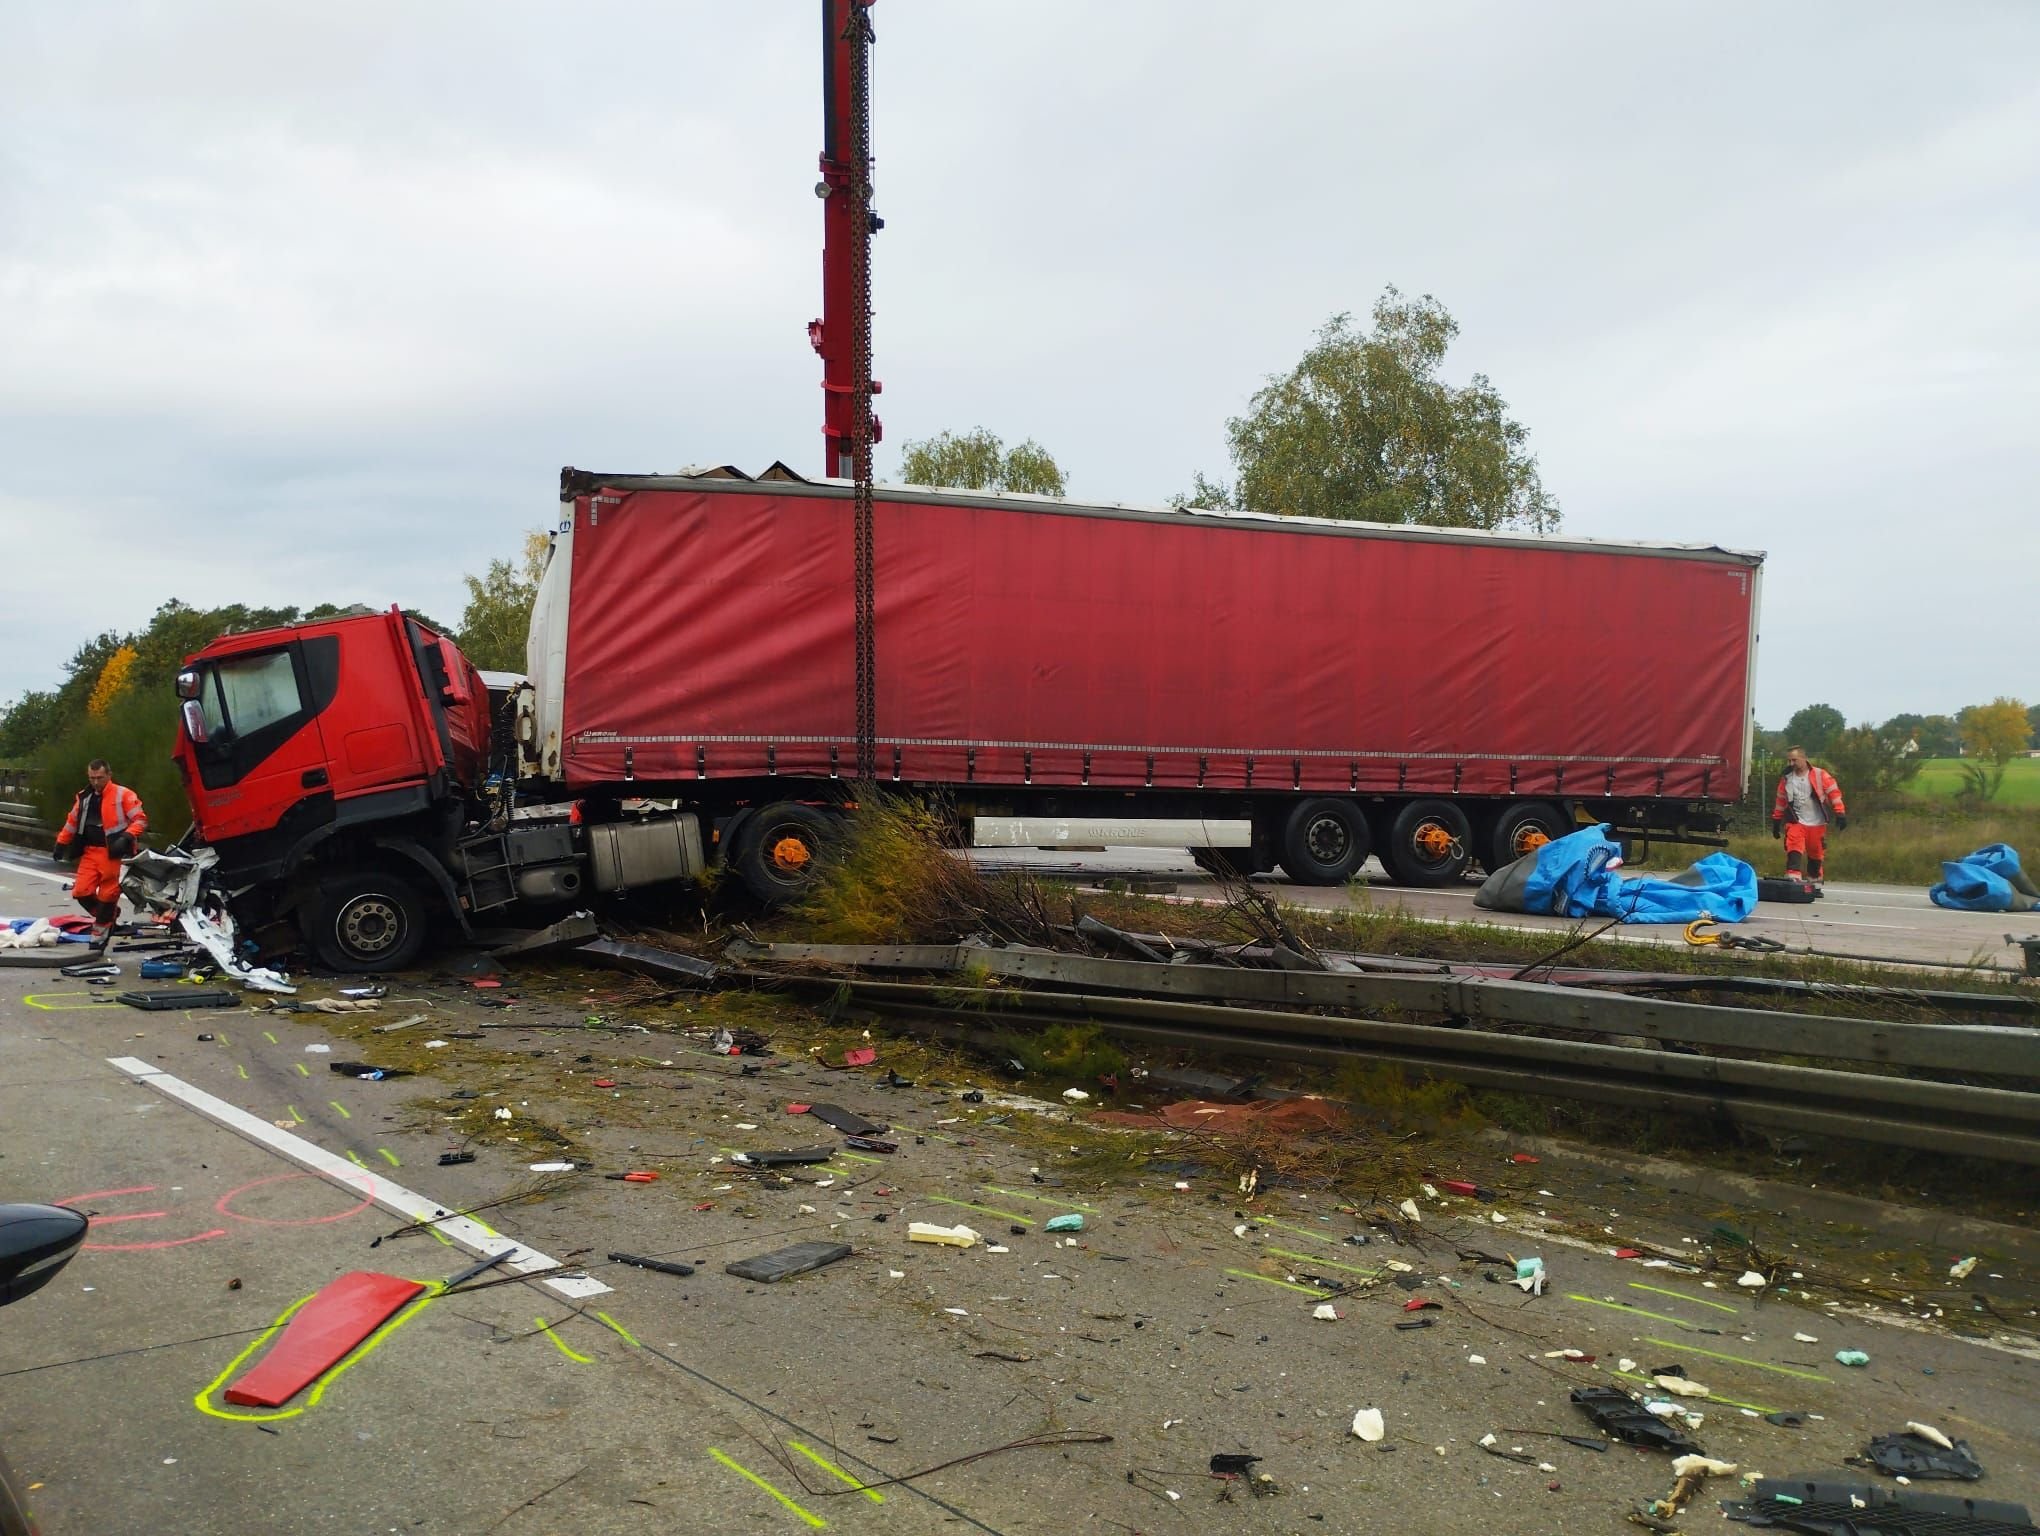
(848, 224)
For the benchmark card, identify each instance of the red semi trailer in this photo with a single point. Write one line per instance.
(1266, 691)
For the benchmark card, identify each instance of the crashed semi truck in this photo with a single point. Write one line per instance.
(1268, 692)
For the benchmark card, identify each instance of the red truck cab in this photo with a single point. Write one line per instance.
(300, 742)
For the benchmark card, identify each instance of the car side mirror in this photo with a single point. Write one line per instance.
(35, 1242)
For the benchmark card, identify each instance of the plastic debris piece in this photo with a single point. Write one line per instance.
(318, 1048)
(1476, 1359)
(1530, 1276)
(952, 1237)
(1233, 1464)
(1851, 1357)
(1804, 1338)
(1865, 1509)
(1625, 1364)
(784, 1157)
(784, 1263)
(862, 1056)
(1073, 1222)
(320, 1334)
(552, 1167)
(1409, 1209)
(1325, 1312)
(1914, 1455)
(1420, 1304)
(1752, 1278)
(1707, 1466)
(844, 1120)
(1368, 1425)
(1679, 1386)
(1076, 1095)
(504, 1113)
(1962, 1269)
(1786, 1419)
(1928, 1432)
(1622, 1416)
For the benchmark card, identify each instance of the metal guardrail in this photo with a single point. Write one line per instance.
(22, 823)
(1645, 1052)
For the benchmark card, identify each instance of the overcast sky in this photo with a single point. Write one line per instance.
(304, 303)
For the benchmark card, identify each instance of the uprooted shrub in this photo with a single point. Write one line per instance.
(893, 878)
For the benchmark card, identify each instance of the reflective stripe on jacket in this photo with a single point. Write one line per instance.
(1825, 791)
(120, 810)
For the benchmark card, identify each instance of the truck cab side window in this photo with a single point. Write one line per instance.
(248, 692)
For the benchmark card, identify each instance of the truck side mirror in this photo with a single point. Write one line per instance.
(187, 685)
(194, 721)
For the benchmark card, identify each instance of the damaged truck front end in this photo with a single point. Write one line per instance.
(349, 778)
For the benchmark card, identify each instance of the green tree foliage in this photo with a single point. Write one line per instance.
(1992, 735)
(497, 618)
(1814, 727)
(1869, 764)
(2033, 727)
(27, 723)
(1939, 737)
(978, 461)
(1362, 427)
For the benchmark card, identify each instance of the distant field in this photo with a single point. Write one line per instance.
(1940, 777)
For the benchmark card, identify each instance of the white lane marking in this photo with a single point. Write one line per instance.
(470, 1234)
(40, 874)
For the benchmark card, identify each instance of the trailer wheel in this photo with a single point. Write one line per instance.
(1325, 842)
(778, 848)
(1430, 842)
(369, 921)
(1522, 829)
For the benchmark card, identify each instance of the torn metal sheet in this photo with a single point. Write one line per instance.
(784, 1263)
(844, 1120)
(570, 932)
(649, 958)
(216, 937)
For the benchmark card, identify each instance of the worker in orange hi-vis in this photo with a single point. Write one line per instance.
(105, 826)
(1808, 802)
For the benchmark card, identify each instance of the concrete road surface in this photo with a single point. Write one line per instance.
(231, 1176)
(1873, 922)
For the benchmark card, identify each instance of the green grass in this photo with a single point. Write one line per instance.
(1940, 778)
(1904, 846)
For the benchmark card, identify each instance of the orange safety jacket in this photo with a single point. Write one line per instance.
(1825, 790)
(120, 810)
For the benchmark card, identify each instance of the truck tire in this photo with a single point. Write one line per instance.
(1324, 842)
(1430, 842)
(1522, 829)
(369, 921)
(776, 852)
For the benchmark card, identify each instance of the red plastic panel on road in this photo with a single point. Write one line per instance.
(320, 1335)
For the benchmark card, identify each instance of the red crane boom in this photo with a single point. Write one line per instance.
(843, 334)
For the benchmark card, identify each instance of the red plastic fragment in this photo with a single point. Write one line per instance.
(863, 1056)
(796, 1109)
(1418, 1304)
(1523, 1157)
(1628, 1253)
(486, 982)
(605, 1082)
(320, 1334)
(1459, 1186)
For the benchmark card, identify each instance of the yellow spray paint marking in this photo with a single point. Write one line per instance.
(618, 1329)
(302, 1069)
(269, 1037)
(355, 1158)
(204, 1401)
(546, 1328)
(53, 1002)
(1727, 1402)
(1066, 1205)
(1626, 1309)
(1351, 1269)
(339, 1109)
(1322, 1237)
(389, 1157)
(835, 1471)
(294, 1114)
(1025, 1221)
(1698, 1301)
(1755, 1365)
(1287, 1285)
(241, 1072)
(853, 1157)
(814, 1521)
(221, 1038)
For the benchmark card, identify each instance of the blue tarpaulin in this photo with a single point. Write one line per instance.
(1575, 876)
(1989, 880)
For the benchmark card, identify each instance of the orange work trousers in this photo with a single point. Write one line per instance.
(98, 877)
(1807, 844)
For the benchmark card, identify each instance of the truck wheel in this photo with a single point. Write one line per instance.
(1325, 842)
(1430, 842)
(368, 922)
(776, 853)
(1522, 829)
(1229, 863)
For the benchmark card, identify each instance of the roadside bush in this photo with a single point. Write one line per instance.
(135, 736)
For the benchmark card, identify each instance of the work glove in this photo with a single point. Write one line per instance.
(58, 855)
(120, 845)
(1841, 821)
(1777, 827)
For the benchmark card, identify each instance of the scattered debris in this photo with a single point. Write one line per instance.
(780, 1159)
(1368, 1425)
(953, 1237)
(1627, 1420)
(648, 959)
(1325, 1312)
(1076, 1095)
(391, 1029)
(368, 1072)
(1530, 1276)
(1689, 1472)
(1754, 1279)
(570, 932)
(637, 1261)
(1679, 1386)
(179, 998)
(1962, 1269)
(871, 1144)
(1073, 1222)
(1916, 1455)
(320, 1334)
(784, 1263)
(1864, 1509)
(843, 1120)
(1851, 1357)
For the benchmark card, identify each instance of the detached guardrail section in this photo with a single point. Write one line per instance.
(1982, 1098)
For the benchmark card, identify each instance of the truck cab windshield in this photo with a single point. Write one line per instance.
(242, 694)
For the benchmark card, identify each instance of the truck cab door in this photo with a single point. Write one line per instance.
(258, 755)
